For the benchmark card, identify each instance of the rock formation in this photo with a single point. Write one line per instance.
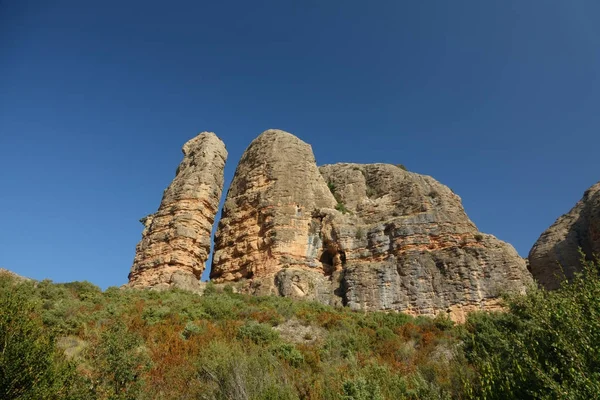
(176, 240)
(373, 237)
(555, 255)
(409, 245)
(267, 220)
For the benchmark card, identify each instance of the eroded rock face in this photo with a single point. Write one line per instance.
(555, 255)
(176, 240)
(409, 245)
(266, 221)
(372, 237)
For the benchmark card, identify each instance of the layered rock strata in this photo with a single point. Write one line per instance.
(372, 237)
(555, 255)
(176, 239)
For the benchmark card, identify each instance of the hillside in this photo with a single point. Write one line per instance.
(73, 341)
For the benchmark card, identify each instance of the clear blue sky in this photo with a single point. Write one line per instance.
(500, 100)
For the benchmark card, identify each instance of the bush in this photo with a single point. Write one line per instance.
(30, 368)
(191, 329)
(227, 371)
(547, 346)
(221, 306)
(288, 353)
(361, 389)
(120, 361)
(331, 187)
(257, 333)
(341, 207)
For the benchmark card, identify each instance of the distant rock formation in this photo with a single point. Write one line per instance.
(372, 237)
(176, 240)
(555, 255)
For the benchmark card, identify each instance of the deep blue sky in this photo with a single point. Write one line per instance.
(500, 100)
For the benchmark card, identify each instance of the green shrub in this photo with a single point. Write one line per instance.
(30, 368)
(257, 333)
(341, 207)
(210, 289)
(547, 346)
(228, 371)
(289, 353)
(221, 306)
(331, 187)
(153, 315)
(120, 360)
(361, 389)
(191, 329)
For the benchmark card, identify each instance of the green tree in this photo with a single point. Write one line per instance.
(120, 361)
(30, 367)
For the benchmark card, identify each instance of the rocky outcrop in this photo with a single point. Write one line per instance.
(267, 222)
(408, 245)
(555, 255)
(372, 237)
(176, 239)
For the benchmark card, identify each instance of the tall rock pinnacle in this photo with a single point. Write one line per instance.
(176, 240)
(266, 219)
(555, 255)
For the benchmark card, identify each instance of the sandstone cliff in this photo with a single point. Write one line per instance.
(176, 240)
(373, 237)
(555, 255)
(409, 245)
(267, 216)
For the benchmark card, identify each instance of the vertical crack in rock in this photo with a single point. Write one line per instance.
(176, 239)
(555, 255)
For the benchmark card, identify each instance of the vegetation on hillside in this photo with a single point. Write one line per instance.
(73, 341)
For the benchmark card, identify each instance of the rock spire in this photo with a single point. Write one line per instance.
(176, 239)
